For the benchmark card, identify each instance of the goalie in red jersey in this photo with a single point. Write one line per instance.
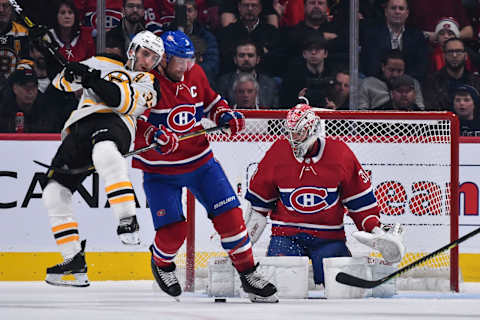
(306, 183)
(187, 98)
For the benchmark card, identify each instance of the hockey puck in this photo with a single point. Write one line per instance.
(220, 300)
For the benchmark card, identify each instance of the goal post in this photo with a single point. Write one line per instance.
(412, 161)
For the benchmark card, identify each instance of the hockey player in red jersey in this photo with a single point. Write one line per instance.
(186, 98)
(306, 183)
(99, 131)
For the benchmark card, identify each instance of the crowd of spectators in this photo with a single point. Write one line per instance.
(261, 54)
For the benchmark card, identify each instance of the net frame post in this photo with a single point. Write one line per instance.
(331, 114)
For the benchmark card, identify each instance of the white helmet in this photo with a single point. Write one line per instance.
(148, 40)
(303, 128)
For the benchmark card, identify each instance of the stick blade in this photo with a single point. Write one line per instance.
(354, 281)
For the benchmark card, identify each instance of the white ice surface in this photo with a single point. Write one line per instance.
(138, 300)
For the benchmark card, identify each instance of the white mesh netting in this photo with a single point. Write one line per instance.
(408, 157)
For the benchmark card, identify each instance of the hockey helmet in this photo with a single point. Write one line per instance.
(303, 128)
(148, 40)
(178, 44)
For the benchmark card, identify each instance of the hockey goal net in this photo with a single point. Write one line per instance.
(412, 160)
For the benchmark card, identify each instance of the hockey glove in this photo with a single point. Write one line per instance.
(165, 138)
(39, 33)
(234, 119)
(76, 72)
(386, 239)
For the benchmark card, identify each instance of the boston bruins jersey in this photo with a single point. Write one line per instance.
(137, 93)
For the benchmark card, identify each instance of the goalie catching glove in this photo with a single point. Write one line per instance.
(234, 119)
(165, 138)
(386, 239)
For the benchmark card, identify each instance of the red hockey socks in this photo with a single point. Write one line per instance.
(233, 233)
(168, 241)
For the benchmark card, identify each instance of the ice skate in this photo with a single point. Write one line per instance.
(258, 289)
(75, 266)
(128, 231)
(166, 278)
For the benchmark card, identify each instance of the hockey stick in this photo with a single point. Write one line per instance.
(354, 281)
(90, 168)
(30, 25)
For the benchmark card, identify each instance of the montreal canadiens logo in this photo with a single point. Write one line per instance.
(309, 200)
(182, 118)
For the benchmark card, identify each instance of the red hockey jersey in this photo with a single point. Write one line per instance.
(113, 12)
(181, 107)
(80, 48)
(312, 195)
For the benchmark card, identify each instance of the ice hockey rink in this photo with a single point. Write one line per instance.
(140, 300)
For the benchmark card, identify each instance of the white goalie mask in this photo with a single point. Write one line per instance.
(303, 128)
(148, 40)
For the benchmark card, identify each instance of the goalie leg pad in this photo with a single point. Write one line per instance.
(362, 267)
(58, 201)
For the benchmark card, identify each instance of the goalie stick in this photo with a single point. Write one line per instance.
(131, 153)
(354, 281)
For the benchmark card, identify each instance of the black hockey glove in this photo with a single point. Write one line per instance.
(38, 32)
(80, 73)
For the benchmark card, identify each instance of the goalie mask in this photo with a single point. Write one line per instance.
(147, 40)
(303, 128)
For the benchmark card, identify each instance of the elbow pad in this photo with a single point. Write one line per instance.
(108, 91)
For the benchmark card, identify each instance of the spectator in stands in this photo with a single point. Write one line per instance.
(229, 12)
(131, 23)
(340, 96)
(75, 42)
(402, 95)
(377, 39)
(318, 22)
(210, 57)
(22, 95)
(250, 26)
(289, 12)
(466, 101)
(375, 91)
(425, 15)
(155, 17)
(308, 77)
(246, 60)
(448, 28)
(38, 63)
(14, 41)
(245, 92)
(439, 86)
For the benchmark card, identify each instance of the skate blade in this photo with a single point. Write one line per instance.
(80, 280)
(130, 239)
(258, 299)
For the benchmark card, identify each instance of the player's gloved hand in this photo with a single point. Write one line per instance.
(76, 72)
(388, 239)
(39, 32)
(166, 139)
(234, 119)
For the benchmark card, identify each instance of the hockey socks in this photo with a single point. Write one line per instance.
(233, 233)
(168, 241)
(112, 168)
(58, 201)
